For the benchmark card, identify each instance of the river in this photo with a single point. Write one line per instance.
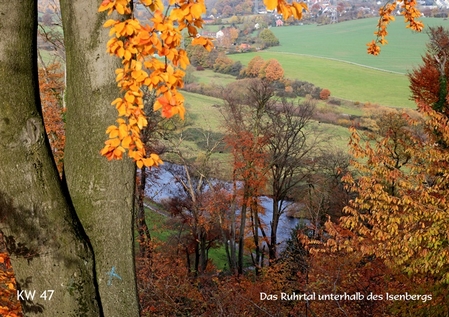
(162, 185)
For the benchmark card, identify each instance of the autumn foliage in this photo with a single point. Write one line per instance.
(259, 68)
(9, 305)
(137, 45)
(325, 94)
(393, 234)
(51, 87)
(400, 211)
(428, 82)
(408, 9)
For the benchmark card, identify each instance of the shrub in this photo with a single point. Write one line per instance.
(325, 94)
(268, 38)
(344, 122)
(336, 102)
(327, 117)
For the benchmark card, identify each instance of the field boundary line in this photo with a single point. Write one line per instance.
(340, 60)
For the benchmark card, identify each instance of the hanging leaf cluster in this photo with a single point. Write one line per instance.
(407, 9)
(151, 57)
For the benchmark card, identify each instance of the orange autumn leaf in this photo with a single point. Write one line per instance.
(410, 13)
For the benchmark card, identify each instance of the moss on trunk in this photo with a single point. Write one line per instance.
(102, 191)
(45, 243)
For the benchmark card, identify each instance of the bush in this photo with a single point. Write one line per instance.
(344, 122)
(325, 94)
(304, 88)
(327, 117)
(336, 102)
(268, 38)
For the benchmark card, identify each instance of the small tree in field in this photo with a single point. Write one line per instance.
(272, 70)
(325, 94)
(254, 67)
(267, 38)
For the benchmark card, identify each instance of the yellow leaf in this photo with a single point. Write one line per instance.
(142, 122)
(271, 4)
(123, 131)
(157, 105)
(120, 8)
(126, 142)
(139, 163)
(156, 158)
(127, 55)
(197, 9)
(110, 23)
(112, 131)
(129, 97)
(118, 152)
(148, 162)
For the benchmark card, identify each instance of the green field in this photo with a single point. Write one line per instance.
(200, 109)
(208, 76)
(347, 41)
(334, 57)
(346, 81)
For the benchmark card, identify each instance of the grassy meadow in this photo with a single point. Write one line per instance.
(202, 111)
(344, 80)
(346, 41)
(208, 76)
(334, 57)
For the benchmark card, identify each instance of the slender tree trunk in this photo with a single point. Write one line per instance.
(102, 192)
(196, 264)
(232, 234)
(203, 252)
(46, 243)
(272, 249)
(242, 234)
(142, 227)
(255, 224)
(231, 241)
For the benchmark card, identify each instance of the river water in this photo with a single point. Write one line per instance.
(162, 185)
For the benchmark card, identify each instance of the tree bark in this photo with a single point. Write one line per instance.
(101, 191)
(141, 224)
(44, 239)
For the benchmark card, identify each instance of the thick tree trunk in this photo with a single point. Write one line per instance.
(45, 242)
(102, 192)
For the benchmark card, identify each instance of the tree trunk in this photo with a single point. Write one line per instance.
(45, 241)
(203, 251)
(272, 246)
(101, 191)
(242, 234)
(255, 225)
(142, 227)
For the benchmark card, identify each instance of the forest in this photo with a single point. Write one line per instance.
(94, 115)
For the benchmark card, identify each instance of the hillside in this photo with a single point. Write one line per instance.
(334, 57)
(347, 42)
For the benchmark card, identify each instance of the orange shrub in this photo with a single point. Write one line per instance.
(324, 94)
